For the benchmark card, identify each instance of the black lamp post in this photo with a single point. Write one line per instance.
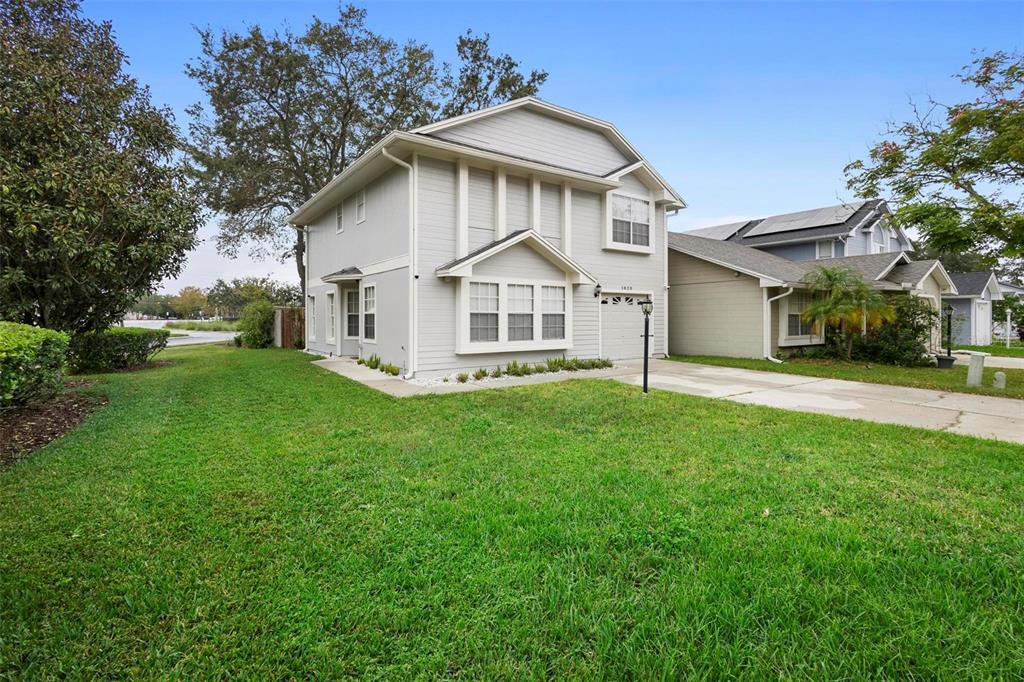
(647, 306)
(948, 309)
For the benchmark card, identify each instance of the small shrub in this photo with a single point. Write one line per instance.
(238, 340)
(31, 363)
(555, 364)
(257, 324)
(388, 368)
(298, 343)
(496, 373)
(373, 362)
(514, 369)
(360, 361)
(462, 377)
(904, 341)
(444, 380)
(480, 374)
(115, 348)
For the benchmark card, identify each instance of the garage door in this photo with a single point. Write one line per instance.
(622, 327)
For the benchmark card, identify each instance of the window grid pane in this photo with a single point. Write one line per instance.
(553, 326)
(520, 327)
(620, 231)
(483, 326)
(631, 219)
(369, 310)
(641, 234)
(553, 299)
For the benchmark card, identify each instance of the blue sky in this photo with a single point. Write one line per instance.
(748, 109)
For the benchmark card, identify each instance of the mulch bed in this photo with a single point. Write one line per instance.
(26, 429)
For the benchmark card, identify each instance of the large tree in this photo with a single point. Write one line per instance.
(93, 210)
(287, 112)
(956, 171)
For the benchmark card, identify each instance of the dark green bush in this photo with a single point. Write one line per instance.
(115, 348)
(905, 340)
(31, 363)
(257, 324)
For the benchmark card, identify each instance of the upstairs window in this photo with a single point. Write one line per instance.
(631, 220)
(370, 313)
(339, 219)
(483, 311)
(825, 249)
(361, 206)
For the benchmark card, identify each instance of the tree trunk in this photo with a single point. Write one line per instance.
(300, 265)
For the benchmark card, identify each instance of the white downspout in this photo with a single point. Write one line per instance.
(766, 323)
(411, 369)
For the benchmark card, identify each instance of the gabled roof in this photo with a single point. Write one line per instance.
(817, 223)
(765, 266)
(872, 267)
(914, 272)
(343, 275)
(463, 267)
(975, 283)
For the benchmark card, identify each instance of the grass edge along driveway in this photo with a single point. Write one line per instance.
(949, 380)
(245, 513)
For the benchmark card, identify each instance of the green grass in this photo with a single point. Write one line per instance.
(204, 325)
(1016, 349)
(242, 513)
(954, 379)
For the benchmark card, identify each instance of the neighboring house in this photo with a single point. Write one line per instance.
(972, 307)
(518, 232)
(734, 300)
(855, 229)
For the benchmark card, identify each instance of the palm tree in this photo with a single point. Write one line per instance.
(841, 299)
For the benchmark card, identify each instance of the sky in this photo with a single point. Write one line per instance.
(747, 109)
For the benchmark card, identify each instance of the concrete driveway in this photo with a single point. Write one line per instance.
(975, 415)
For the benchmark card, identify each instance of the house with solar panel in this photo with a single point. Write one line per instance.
(740, 289)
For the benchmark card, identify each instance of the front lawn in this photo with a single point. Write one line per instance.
(1016, 349)
(954, 379)
(245, 514)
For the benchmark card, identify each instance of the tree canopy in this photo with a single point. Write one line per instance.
(93, 209)
(956, 171)
(844, 302)
(288, 111)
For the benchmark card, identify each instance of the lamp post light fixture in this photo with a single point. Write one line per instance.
(647, 306)
(597, 290)
(946, 361)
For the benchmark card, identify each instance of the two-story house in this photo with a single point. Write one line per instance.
(858, 228)
(518, 232)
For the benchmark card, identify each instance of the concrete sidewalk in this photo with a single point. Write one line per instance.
(974, 415)
(997, 361)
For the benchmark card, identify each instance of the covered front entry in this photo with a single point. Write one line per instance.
(622, 326)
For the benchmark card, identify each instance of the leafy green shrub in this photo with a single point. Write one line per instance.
(462, 377)
(388, 368)
(238, 341)
(360, 361)
(373, 362)
(115, 348)
(514, 369)
(257, 324)
(298, 343)
(903, 341)
(31, 363)
(480, 374)
(496, 373)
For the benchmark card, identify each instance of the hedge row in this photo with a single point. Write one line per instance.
(115, 348)
(31, 363)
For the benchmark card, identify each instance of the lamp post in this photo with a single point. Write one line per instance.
(948, 309)
(647, 306)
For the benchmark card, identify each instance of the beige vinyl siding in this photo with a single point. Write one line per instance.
(931, 290)
(481, 208)
(517, 197)
(551, 213)
(540, 137)
(711, 310)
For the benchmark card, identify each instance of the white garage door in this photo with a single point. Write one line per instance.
(622, 327)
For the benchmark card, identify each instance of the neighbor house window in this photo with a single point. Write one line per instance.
(796, 325)
(330, 317)
(311, 317)
(352, 314)
(631, 220)
(370, 313)
(520, 312)
(483, 311)
(361, 206)
(339, 219)
(825, 248)
(553, 310)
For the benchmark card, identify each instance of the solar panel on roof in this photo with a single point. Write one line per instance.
(802, 220)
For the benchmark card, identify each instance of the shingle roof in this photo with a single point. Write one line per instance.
(869, 267)
(818, 223)
(350, 270)
(737, 256)
(911, 273)
(971, 283)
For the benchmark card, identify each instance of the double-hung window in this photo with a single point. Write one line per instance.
(361, 206)
(553, 310)
(795, 330)
(824, 248)
(311, 317)
(483, 311)
(339, 218)
(331, 320)
(520, 312)
(631, 220)
(352, 314)
(370, 313)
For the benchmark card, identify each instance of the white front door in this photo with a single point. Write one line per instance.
(982, 323)
(622, 327)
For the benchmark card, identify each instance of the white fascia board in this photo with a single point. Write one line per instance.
(945, 275)
(673, 199)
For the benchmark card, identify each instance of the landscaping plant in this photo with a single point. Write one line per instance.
(115, 348)
(842, 303)
(903, 339)
(32, 363)
(257, 324)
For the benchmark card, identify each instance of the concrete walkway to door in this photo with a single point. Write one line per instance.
(974, 415)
